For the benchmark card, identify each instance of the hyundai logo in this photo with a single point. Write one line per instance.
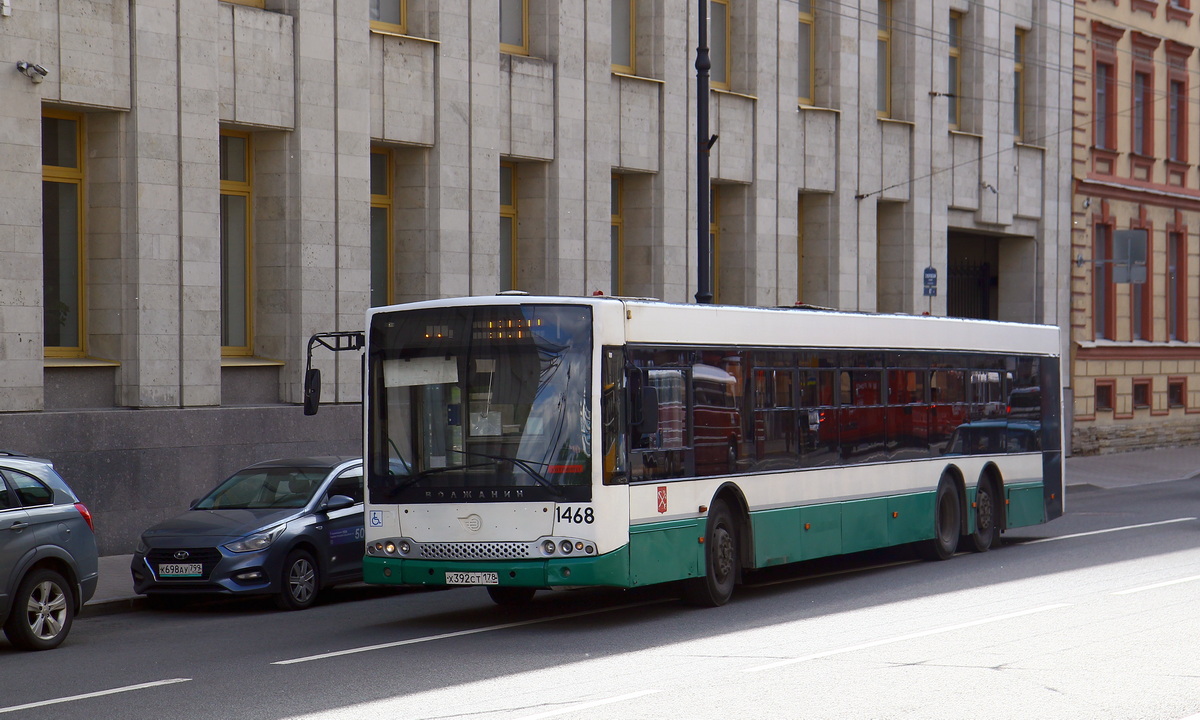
(182, 554)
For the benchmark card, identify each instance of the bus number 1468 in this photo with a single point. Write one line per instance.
(579, 516)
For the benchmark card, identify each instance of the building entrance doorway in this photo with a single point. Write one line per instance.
(973, 279)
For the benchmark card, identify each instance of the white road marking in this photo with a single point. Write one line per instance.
(1156, 586)
(459, 633)
(589, 705)
(903, 638)
(1109, 530)
(99, 693)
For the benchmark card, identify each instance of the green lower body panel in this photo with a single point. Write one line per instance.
(663, 552)
(1026, 505)
(814, 531)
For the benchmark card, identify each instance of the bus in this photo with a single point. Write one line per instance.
(523, 443)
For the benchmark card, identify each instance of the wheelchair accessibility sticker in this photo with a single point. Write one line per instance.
(376, 520)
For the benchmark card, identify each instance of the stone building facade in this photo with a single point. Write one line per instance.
(1135, 311)
(193, 188)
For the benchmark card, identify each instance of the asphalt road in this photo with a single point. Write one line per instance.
(1091, 616)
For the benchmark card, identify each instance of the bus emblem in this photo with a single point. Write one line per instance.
(662, 498)
(472, 523)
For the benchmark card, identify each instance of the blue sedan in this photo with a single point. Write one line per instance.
(285, 528)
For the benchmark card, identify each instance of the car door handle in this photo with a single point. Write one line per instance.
(18, 526)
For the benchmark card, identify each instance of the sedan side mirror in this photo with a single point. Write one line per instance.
(338, 502)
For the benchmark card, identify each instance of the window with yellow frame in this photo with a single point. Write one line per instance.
(236, 244)
(806, 53)
(718, 43)
(63, 288)
(617, 236)
(514, 27)
(954, 68)
(508, 226)
(389, 16)
(382, 258)
(624, 36)
(883, 60)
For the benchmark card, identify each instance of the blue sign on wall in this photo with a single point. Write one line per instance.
(930, 281)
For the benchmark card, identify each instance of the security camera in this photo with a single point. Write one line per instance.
(33, 71)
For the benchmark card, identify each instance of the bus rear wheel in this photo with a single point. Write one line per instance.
(720, 561)
(947, 522)
(505, 595)
(986, 516)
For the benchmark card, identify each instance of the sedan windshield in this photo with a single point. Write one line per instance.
(480, 403)
(271, 487)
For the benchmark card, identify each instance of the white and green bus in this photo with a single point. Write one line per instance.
(522, 443)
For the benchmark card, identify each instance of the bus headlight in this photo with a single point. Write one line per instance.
(567, 547)
(548, 547)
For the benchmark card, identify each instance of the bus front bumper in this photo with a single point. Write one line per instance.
(611, 570)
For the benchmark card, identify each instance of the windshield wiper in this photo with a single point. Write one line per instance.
(525, 465)
(434, 471)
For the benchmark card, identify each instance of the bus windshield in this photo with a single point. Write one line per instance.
(480, 404)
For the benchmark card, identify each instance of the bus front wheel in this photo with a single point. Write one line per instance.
(720, 561)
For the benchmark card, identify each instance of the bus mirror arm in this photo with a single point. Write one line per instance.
(335, 341)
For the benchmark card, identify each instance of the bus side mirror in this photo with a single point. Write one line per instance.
(647, 423)
(312, 391)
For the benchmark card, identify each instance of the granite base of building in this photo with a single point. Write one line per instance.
(135, 467)
(1093, 440)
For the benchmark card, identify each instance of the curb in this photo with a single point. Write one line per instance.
(115, 606)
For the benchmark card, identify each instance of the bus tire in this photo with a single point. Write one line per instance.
(986, 516)
(508, 595)
(720, 561)
(947, 522)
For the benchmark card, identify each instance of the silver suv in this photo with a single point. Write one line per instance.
(48, 555)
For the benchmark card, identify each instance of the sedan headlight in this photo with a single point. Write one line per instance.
(142, 548)
(258, 541)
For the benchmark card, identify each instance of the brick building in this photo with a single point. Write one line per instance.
(1135, 323)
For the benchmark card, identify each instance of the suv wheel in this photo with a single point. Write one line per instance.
(42, 611)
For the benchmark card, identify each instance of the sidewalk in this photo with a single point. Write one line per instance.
(115, 591)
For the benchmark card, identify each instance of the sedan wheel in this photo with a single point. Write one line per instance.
(301, 581)
(42, 612)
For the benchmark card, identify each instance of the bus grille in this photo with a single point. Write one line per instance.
(474, 551)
